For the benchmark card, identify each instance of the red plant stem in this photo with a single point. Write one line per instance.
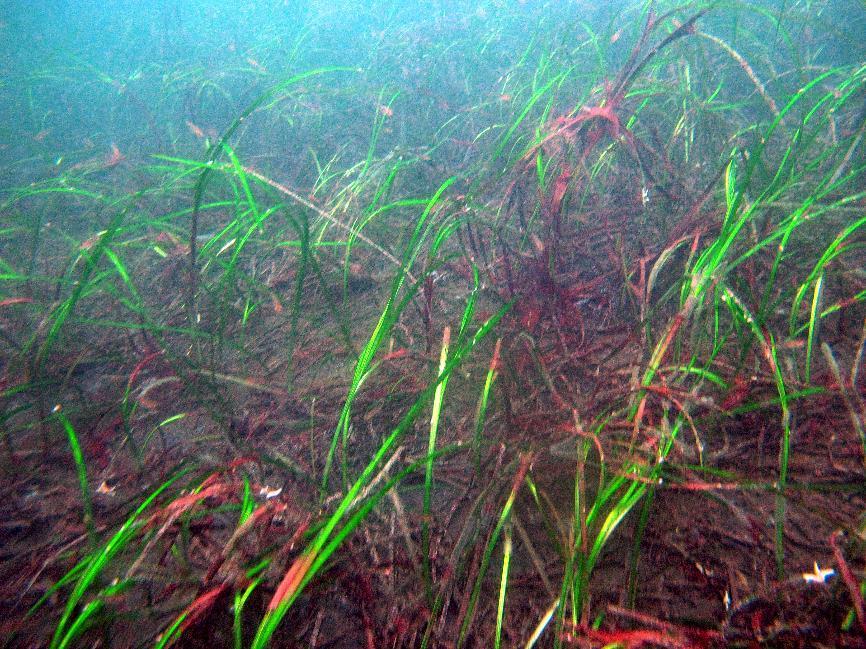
(140, 366)
(848, 578)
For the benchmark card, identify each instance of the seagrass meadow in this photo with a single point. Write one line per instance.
(433, 324)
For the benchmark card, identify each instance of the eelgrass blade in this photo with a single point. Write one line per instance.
(530, 104)
(172, 633)
(213, 156)
(248, 503)
(503, 587)
(386, 321)
(191, 614)
(66, 308)
(240, 600)
(435, 416)
(768, 346)
(539, 629)
(81, 623)
(81, 469)
(90, 568)
(330, 535)
(483, 404)
(504, 516)
(309, 564)
(814, 326)
(616, 514)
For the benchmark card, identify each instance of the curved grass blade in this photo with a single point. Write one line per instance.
(89, 569)
(81, 469)
(330, 536)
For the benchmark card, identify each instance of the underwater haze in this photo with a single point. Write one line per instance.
(433, 323)
(86, 73)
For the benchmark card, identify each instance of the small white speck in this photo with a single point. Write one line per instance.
(105, 490)
(820, 576)
(269, 493)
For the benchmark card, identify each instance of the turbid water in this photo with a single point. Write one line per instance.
(432, 323)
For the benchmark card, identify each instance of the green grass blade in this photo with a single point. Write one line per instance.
(503, 587)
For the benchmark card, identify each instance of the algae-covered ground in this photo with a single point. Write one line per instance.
(433, 324)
